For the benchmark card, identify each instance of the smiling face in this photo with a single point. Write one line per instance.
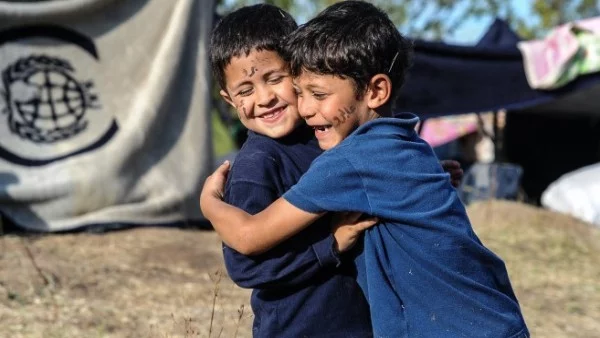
(330, 105)
(260, 88)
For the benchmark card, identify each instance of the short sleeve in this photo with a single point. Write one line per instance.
(330, 184)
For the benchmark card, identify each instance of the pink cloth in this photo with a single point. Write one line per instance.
(438, 131)
(546, 60)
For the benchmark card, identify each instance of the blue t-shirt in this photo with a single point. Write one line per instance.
(423, 269)
(300, 288)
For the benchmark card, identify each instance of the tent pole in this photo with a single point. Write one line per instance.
(499, 155)
(420, 127)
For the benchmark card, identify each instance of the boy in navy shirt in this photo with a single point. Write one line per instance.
(424, 271)
(292, 282)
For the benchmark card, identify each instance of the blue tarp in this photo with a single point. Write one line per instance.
(449, 79)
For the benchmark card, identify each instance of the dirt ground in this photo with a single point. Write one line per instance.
(164, 282)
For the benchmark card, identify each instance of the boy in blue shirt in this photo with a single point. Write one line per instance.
(423, 270)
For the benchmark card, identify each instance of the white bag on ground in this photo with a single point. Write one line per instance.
(577, 194)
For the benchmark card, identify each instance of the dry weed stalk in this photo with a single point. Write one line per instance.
(49, 283)
(239, 320)
(190, 331)
(33, 262)
(217, 282)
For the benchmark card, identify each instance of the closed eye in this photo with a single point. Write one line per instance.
(275, 80)
(245, 92)
(319, 96)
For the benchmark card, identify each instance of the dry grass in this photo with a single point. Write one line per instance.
(163, 282)
(554, 264)
(136, 283)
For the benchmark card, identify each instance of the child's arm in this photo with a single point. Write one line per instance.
(291, 263)
(250, 234)
(296, 261)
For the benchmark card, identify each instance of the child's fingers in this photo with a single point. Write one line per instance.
(366, 224)
(457, 172)
(456, 177)
(220, 174)
(450, 164)
(215, 184)
(223, 169)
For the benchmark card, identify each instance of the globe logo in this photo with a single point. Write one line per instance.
(44, 102)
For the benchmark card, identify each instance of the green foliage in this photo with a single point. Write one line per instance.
(223, 142)
(541, 16)
(434, 19)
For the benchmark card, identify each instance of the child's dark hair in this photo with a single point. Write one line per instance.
(258, 27)
(351, 39)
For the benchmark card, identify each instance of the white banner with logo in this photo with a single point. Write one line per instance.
(104, 111)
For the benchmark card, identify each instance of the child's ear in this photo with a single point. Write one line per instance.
(379, 91)
(227, 98)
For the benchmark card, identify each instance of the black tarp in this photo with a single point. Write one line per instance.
(547, 133)
(450, 79)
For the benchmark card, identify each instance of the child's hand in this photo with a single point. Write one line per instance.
(214, 186)
(347, 228)
(453, 168)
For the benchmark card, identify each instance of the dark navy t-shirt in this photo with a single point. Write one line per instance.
(301, 289)
(425, 272)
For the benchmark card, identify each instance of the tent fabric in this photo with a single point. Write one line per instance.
(450, 79)
(105, 112)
